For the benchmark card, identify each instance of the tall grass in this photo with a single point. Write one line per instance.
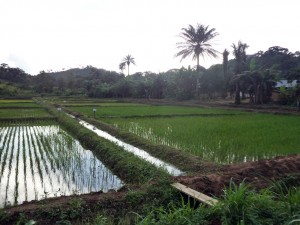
(239, 205)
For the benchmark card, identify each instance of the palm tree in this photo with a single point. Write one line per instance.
(127, 60)
(197, 41)
(225, 64)
(239, 52)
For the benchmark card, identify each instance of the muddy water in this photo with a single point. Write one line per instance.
(136, 151)
(38, 162)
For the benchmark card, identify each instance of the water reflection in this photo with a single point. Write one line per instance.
(136, 151)
(44, 161)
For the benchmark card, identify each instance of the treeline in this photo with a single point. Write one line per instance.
(254, 76)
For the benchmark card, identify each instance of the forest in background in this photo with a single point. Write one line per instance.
(255, 77)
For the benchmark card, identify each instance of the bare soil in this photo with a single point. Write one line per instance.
(258, 175)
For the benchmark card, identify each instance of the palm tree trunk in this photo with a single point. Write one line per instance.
(128, 69)
(198, 66)
(237, 93)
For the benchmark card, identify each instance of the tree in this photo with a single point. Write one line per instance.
(127, 60)
(225, 70)
(122, 66)
(225, 64)
(197, 41)
(239, 52)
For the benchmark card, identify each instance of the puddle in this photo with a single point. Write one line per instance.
(136, 151)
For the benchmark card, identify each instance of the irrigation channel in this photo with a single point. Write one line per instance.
(38, 162)
(130, 148)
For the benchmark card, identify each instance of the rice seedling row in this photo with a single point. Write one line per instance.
(148, 110)
(23, 113)
(44, 161)
(243, 137)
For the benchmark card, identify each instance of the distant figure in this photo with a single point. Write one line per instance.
(77, 116)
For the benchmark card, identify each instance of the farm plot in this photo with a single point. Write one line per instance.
(21, 109)
(40, 161)
(223, 139)
(140, 110)
(23, 113)
(17, 103)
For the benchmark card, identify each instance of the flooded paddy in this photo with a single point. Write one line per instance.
(136, 151)
(41, 161)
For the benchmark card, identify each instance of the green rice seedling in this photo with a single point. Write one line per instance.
(36, 155)
(3, 141)
(36, 146)
(48, 151)
(31, 159)
(23, 113)
(240, 138)
(40, 150)
(16, 192)
(24, 163)
(11, 157)
(148, 111)
(8, 143)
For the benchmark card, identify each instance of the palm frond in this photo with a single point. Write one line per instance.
(196, 42)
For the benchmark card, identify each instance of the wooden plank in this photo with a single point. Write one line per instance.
(195, 194)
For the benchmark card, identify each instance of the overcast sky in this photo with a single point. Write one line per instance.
(54, 34)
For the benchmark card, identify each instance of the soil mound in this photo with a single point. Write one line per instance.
(258, 175)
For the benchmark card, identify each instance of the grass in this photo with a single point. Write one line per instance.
(238, 205)
(224, 139)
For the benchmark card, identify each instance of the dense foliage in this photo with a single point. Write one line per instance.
(256, 75)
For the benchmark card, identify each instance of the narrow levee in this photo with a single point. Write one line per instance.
(130, 148)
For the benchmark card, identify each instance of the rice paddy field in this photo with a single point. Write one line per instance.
(38, 159)
(21, 109)
(142, 110)
(222, 136)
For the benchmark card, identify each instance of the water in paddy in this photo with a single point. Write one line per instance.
(38, 162)
(136, 151)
